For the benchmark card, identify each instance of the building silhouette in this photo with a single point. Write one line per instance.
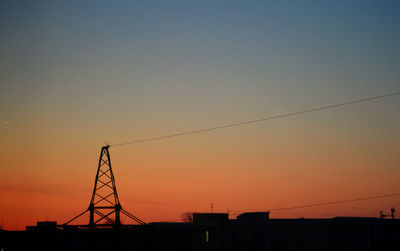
(215, 231)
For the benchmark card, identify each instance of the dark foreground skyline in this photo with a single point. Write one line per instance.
(214, 231)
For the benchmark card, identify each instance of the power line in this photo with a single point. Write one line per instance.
(333, 202)
(260, 119)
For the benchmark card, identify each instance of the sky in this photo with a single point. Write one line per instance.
(77, 74)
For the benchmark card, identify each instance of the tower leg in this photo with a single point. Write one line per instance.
(91, 217)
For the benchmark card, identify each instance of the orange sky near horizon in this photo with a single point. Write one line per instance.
(257, 167)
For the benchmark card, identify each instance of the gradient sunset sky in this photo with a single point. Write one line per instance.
(74, 74)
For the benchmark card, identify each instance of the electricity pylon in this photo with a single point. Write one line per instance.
(104, 207)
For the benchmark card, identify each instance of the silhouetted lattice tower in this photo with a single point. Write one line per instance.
(104, 200)
(104, 207)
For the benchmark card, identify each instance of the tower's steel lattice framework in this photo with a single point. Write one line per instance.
(105, 208)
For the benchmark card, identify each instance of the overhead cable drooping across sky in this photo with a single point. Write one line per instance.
(241, 123)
